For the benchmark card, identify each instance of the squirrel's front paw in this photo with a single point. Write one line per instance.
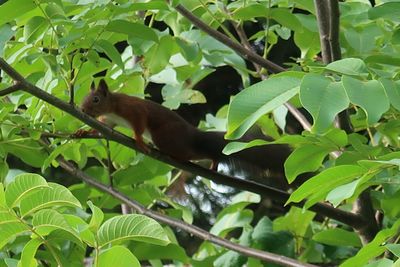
(85, 133)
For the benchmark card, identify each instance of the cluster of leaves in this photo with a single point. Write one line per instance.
(47, 224)
(59, 45)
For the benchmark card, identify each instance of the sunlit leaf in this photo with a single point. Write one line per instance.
(131, 227)
(28, 253)
(22, 186)
(117, 256)
(54, 195)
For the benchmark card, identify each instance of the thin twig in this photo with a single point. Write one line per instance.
(322, 12)
(11, 89)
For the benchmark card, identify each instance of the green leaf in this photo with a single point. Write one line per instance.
(233, 147)
(7, 216)
(190, 50)
(34, 28)
(29, 152)
(374, 248)
(348, 66)
(28, 253)
(97, 217)
(47, 221)
(131, 227)
(132, 29)
(253, 102)
(117, 256)
(324, 99)
(150, 5)
(3, 170)
(369, 95)
(338, 237)
(296, 221)
(307, 158)
(3, 203)
(158, 57)
(54, 195)
(145, 251)
(110, 50)
(324, 182)
(13, 9)
(71, 151)
(393, 92)
(10, 230)
(343, 192)
(23, 185)
(80, 226)
(390, 11)
(394, 248)
(231, 221)
(251, 11)
(239, 202)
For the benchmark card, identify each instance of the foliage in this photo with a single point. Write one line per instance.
(47, 223)
(59, 45)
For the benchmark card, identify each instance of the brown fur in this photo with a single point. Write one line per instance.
(174, 136)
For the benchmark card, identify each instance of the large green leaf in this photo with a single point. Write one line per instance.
(97, 217)
(28, 253)
(131, 227)
(47, 221)
(338, 237)
(117, 256)
(146, 251)
(110, 50)
(296, 221)
(23, 185)
(10, 230)
(253, 102)
(392, 89)
(319, 185)
(348, 66)
(132, 29)
(369, 95)
(342, 192)
(54, 195)
(7, 216)
(307, 158)
(34, 29)
(323, 98)
(231, 221)
(158, 57)
(390, 11)
(251, 11)
(3, 203)
(12, 9)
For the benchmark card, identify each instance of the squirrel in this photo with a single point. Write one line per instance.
(174, 136)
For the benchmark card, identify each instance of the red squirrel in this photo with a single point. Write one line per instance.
(171, 134)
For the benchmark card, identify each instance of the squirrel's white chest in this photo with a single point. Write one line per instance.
(113, 120)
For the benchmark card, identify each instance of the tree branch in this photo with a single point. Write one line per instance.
(323, 19)
(328, 21)
(345, 217)
(11, 89)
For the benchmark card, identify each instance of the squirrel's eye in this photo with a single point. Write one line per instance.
(96, 99)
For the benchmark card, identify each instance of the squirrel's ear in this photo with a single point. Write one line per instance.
(93, 87)
(103, 88)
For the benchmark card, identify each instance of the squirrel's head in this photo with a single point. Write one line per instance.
(97, 102)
